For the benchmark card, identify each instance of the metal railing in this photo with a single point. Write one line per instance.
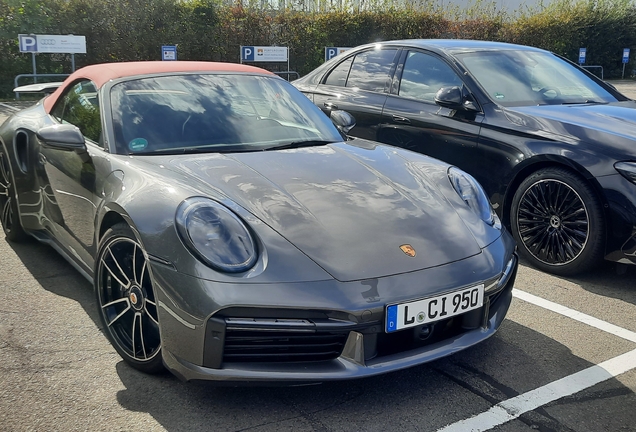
(35, 79)
(287, 74)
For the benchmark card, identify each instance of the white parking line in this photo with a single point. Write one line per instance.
(513, 408)
(575, 315)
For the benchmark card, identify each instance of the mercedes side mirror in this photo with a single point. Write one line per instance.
(455, 98)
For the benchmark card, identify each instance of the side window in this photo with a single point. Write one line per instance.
(371, 69)
(338, 76)
(79, 106)
(424, 75)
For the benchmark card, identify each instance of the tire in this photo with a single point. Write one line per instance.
(558, 222)
(9, 216)
(126, 300)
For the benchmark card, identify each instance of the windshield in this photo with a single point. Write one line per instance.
(522, 78)
(214, 113)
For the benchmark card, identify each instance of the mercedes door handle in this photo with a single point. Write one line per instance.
(400, 119)
(330, 106)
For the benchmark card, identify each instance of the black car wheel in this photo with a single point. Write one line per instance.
(126, 299)
(397, 138)
(8, 206)
(558, 222)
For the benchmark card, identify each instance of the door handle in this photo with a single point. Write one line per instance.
(330, 105)
(400, 119)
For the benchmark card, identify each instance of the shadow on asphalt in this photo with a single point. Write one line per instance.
(608, 280)
(420, 398)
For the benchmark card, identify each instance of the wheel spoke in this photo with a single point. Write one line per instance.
(566, 202)
(114, 276)
(134, 265)
(141, 335)
(6, 214)
(121, 314)
(3, 171)
(150, 315)
(114, 302)
(134, 335)
(127, 285)
(539, 199)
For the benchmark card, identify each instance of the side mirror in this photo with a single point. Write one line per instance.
(62, 137)
(343, 120)
(455, 98)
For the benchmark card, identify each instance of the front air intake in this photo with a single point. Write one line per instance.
(249, 340)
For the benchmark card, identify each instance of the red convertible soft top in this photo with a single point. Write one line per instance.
(102, 73)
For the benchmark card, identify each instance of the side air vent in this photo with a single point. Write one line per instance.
(21, 145)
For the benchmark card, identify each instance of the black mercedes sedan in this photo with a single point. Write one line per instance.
(553, 146)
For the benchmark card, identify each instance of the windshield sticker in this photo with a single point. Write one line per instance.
(499, 96)
(138, 144)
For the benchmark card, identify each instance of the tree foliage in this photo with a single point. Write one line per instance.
(125, 30)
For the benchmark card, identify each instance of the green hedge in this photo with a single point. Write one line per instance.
(206, 30)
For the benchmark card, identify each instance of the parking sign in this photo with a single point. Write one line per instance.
(264, 54)
(331, 52)
(582, 53)
(70, 44)
(247, 53)
(626, 55)
(28, 43)
(168, 52)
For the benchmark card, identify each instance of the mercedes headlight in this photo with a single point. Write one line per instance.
(627, 169)
(215, 235)
(473, 195)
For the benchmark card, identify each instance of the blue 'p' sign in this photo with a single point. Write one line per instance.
(582, 54)
(247, 53)
(28, 43)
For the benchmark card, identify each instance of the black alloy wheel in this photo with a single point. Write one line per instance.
(9, 217)
(558, 222)
(397, 138)
(126, 299)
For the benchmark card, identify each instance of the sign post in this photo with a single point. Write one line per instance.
(625, 59)
(582, 54)
(62, 44)
(169, 52)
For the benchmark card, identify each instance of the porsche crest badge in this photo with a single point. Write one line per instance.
(408, 249)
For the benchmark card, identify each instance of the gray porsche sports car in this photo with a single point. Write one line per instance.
(233, 232)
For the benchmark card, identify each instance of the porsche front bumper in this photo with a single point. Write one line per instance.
(319, 331)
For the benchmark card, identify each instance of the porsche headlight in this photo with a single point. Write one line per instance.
(473, 195)
(627, 169)
(215, 235)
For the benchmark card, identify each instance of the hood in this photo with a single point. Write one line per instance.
(612, 125)
(347, 208)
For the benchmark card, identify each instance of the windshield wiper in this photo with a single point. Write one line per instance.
(587, 101)
(195, 150)
(299, 144)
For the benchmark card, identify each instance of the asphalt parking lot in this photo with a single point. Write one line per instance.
(564, 360)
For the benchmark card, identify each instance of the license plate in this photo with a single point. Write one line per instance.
(428, 310)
